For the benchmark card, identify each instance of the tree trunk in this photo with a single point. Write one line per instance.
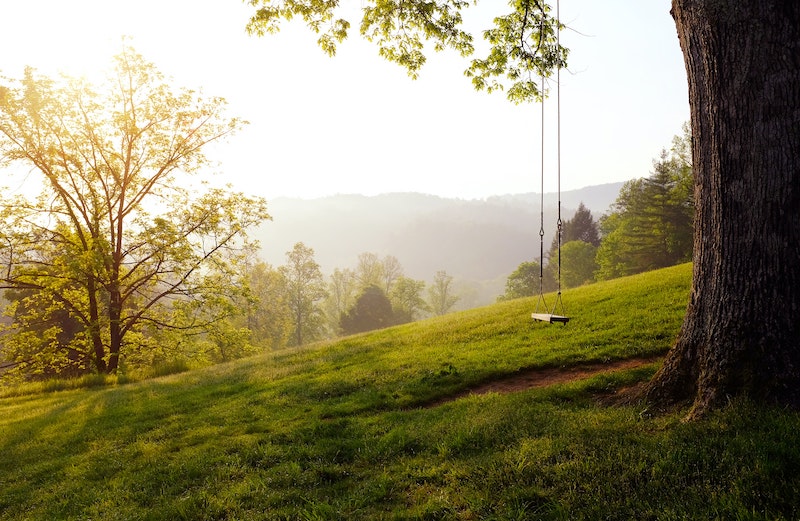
(115, 329)
(741, 333)
(94, 328)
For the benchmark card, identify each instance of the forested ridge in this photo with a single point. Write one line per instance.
(480, 239)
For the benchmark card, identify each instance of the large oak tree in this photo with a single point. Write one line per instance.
(741, 333)
(117, 239)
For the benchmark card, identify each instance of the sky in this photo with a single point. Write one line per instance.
(355, 123)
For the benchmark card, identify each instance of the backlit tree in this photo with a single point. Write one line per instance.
(114, 238)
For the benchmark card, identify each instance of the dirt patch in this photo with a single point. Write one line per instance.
(535, 378)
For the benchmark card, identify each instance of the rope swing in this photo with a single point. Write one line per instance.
(556, 313)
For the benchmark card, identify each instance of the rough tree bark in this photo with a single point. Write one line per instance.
(741, 333)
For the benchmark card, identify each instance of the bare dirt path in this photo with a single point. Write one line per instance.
(534, 378)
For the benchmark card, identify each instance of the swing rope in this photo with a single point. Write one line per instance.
(551, 315)
(559, 223)
(541, 300)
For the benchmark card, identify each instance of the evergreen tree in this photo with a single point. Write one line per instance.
(582, 227)
(650, 226)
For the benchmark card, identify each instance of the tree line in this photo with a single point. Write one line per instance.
(295, 303)
(649, 227)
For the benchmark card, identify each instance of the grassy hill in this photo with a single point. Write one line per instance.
(357, 429)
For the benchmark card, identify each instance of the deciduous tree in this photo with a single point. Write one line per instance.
(578, 265)
(372, 310)
(305, 288)
(525, 281)
(114, 239)
(268, 315)
(740, 334)
(374, 271)
(342, 292)
(369, 270)
(441, 298)
(407, 301)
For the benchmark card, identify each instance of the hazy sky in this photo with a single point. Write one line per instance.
(358, 124)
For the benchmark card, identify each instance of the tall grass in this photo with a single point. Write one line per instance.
(342, 430)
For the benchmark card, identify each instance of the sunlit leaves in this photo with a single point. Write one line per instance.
(114, 238)
(401, 28)
(318, 15)
(305, 288)
(524, 49)
(523, 44)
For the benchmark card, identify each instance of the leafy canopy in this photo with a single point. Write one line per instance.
(115, 250)
(523, 46)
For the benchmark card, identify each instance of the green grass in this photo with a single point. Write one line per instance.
(341, 430)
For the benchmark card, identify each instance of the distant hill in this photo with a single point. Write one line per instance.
(480, 242)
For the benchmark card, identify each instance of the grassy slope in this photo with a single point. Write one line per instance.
(338, 431)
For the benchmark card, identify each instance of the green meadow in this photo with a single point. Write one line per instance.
(362, 429)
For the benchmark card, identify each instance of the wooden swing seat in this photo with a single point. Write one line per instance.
(549, 317)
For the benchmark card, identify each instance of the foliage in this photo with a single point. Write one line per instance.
(305, 288)
(527, 280)
(341, 295)
(268, 316)
(114, 245)
(392, 272)
(369, 271)
(578, 265)
(408, 303)
(351, 430)
(523, 45)
(651, 224)
(374, 271)
(441, 298)
(577, 261)
(523, 50)
(372, 310)
(530, 279)
(582, 227)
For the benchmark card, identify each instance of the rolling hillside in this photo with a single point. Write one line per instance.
(368, 428)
